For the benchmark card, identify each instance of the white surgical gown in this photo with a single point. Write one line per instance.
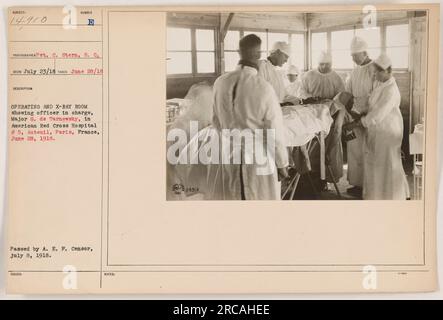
(360, 85)
(384, 176)
(275, 77)
(323, 85)
(243, 100)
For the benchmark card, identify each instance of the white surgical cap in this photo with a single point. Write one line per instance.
(283, 47)
(383, 61)
(358, 45)
(325, 57)
(293, 70)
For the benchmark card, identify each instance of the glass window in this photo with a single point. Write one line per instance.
(179, 39)
(179, 62)
(372, 37)
(373, 53)
(297, 57)
(397, 45)
(181, 51)
(340, 49)
(179, 54)
(399, 57)
(205, 62)
(231, 60)
(204, 40)
(273, 37)
(341, 40)
(397, 35)
(319, 43)
(231, 41)
(341, 59)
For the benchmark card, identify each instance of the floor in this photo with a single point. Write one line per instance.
(305, 190)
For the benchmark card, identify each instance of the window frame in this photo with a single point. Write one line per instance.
(383, 46)
(194, 73)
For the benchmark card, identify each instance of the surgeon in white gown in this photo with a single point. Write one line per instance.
(245, 101)
(322, 82)
(384, 176)
(271, 70)
(293, 82)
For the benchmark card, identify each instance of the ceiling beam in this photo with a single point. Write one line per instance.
(226, 26)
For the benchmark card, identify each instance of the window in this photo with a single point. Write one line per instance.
(182, 51)
(373, 38)
(397, 45)
(232, 38)
(273, 37)
(205, 51)
(179, 55)
(231, 50)
(319, 44)
(264, 42)
(340, 49)
(297, 57)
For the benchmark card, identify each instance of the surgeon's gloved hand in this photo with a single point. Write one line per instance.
(282, 173)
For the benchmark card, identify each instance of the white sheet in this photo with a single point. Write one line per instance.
(304, 121)
(302, 124)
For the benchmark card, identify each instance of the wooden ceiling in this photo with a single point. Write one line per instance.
(284, 21)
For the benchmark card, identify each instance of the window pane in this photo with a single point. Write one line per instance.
(205, 62)
(371, 36)
(231, 60)
(179, 62)
(341, 40)
(319, 41)
(204, 39)
(397, 35)
(262, 36)
(179, 39)
(341, 59)
(231, 40)
(273, 37)
(399, 56)
(297, 57)
(373, 53)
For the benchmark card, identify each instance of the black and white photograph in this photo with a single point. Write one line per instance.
(263, 150)
(296, 105)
